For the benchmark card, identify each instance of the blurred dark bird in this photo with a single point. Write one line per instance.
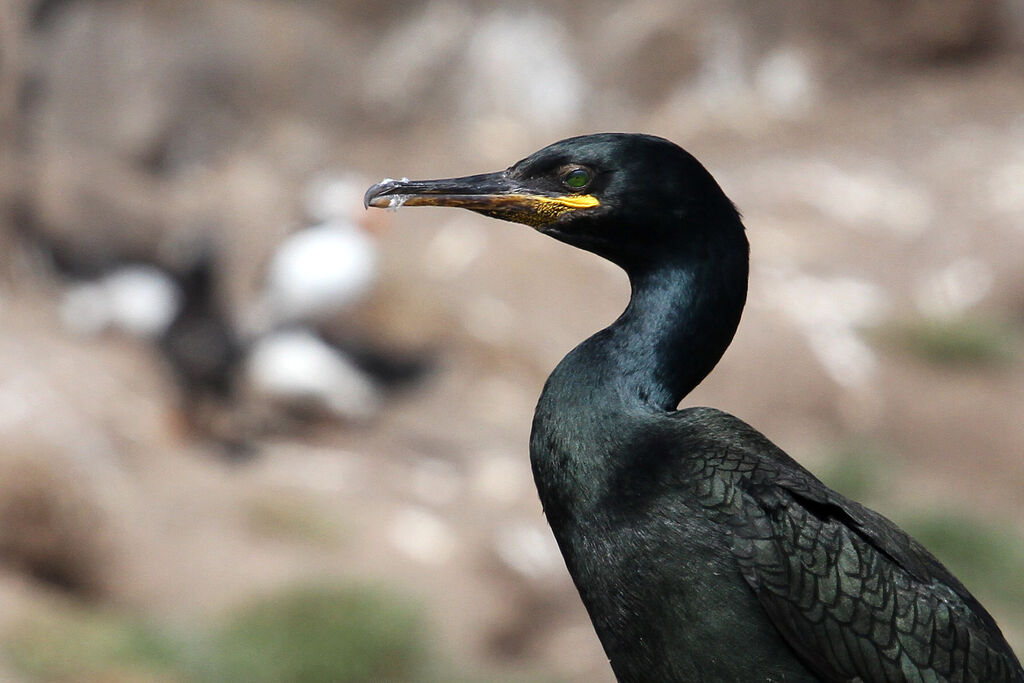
(200, 345)
(700, 549)
(171, 299)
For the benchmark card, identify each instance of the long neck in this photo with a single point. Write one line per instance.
(681, 317)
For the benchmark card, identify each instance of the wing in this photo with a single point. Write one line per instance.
(856, 597)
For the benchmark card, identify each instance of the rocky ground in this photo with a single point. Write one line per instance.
(877, 156)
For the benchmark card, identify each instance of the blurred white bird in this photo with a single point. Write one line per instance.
(301, 358)
(320, 270)
(295, 369)
(328, 267)
(136, 299)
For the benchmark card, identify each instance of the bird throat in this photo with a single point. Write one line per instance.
(678, 323)
(680, 319)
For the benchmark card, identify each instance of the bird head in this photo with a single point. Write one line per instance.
(627, 197)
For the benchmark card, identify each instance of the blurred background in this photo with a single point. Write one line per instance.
(249, 431)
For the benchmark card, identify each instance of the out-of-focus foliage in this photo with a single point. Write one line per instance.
(318, 635)
(302, 635)
(972, 341)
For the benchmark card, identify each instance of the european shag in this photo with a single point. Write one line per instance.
(701, 550)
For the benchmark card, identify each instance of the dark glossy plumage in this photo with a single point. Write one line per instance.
(701, 550)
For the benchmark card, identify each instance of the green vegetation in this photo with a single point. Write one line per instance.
(301, 635)
(314, 635)
(967, 341)
(74, 644)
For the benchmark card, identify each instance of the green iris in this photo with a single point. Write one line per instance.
(577, 178)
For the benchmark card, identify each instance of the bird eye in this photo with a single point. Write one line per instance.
(576, 178)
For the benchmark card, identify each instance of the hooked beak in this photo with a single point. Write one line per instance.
(492, 194)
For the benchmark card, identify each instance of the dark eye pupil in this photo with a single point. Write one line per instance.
(577, 178)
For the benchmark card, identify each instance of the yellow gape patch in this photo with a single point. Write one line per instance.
(535, 210)
(541, 210)
(573, 201)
